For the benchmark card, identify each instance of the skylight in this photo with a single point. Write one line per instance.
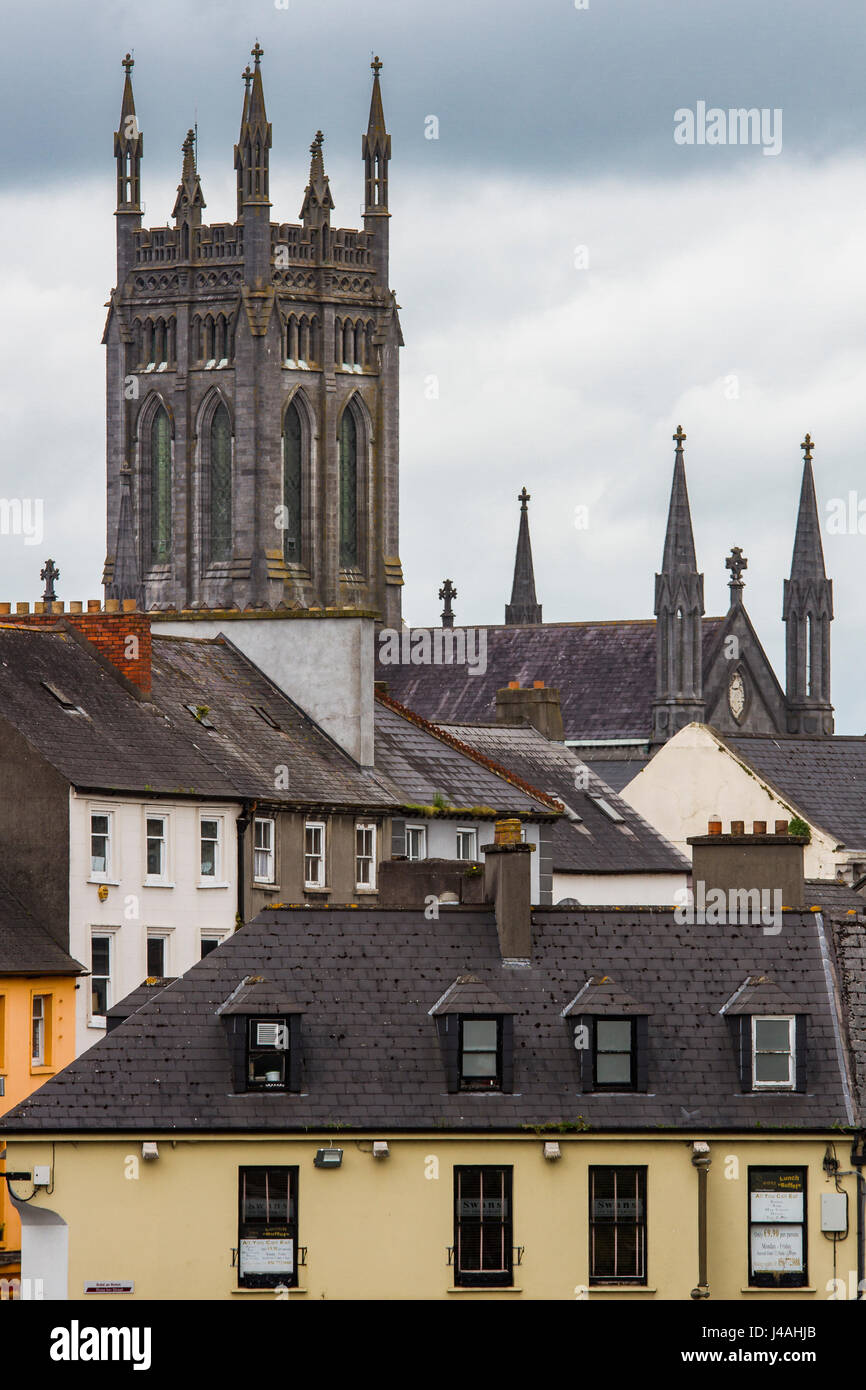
(610, 811)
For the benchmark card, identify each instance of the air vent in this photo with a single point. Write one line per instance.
(62, 700)
(263, 714)
(272, 1035)
(200, 715)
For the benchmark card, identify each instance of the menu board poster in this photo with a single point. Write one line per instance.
(777, 1249)
(777, 1206)
(271, 1256)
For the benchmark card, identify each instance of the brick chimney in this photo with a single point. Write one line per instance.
(119, 632)
(507, 884)
(742, 863)
(538, 705)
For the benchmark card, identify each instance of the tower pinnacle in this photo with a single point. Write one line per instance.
(807, 610)
(679, 607)
(524, 606)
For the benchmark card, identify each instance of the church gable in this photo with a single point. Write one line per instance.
(741, 692)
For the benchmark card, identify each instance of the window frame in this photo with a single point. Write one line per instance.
(410, 829)
(631, 1084)
(160, 879)
(790, 1052)
(472, 1278)
(207, 934)
(362, 827)
(270, 850)
(283, 1230)
(211, 880)
(473, 1084)
(101, 875)
(258, 1049)
(99, 1020)
(162, 937)
(778, 1279)
(640, 1223)
(473, 833)
(43, 1018)
(321, 826)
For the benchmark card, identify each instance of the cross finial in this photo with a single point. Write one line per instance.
(49, 573)
(447, 592)
(376, 65)
(128, 62)
(736, 563)
(807, 446)
(523, 497)
(257, 52)
(247, 74)
(679, 436)
(317, 142)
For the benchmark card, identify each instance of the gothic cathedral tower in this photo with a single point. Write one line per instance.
(252, 384)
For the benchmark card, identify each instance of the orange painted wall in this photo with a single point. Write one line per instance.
(21, 1077)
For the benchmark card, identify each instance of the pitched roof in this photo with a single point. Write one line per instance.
(25, 946)
(417, 759)
(596, 843)
(605, 672)
(824, 778)
(366, 978)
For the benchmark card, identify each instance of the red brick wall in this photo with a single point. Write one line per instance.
(122, 638)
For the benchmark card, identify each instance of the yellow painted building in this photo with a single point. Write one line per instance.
(384, 1227)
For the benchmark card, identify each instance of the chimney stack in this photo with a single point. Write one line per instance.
(119, 632)
(743, 863)
(538, 705)
(508, 885)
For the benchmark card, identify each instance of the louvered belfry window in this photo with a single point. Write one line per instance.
(348, 490)
(220, 485)
(160, 488)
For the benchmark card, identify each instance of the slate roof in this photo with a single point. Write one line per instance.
(25, 946)
(147, 990)
(415, 760)
(824, 778)
(367, 978)
(605, 672)
(595, 844)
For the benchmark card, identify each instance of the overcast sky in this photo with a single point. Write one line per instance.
(576, 281)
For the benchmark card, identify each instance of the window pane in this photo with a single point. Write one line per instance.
(479, 1034)
(208, 944)
(221, 486)
(160, 488)
(772, 1066)
(772, 1034)
(613, 1068)
(100, 955)
(613, 1035)
(99, 825)
(156, 956)
(292, 484)
(209, 829)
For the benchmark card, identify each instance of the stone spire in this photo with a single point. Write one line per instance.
(190, 199)
(252, 166)
(524, 607)
(128, 147)
(318, 202)
(679, 607)
(807, 610)
(376, 154)
(125, 580)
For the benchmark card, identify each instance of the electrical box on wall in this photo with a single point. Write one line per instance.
(834, 1211)
(41, 1175)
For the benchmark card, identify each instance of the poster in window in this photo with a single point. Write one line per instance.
(272, 1256)
(777, 1249)
(777, 1206)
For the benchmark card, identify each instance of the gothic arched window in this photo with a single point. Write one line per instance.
(293, 485)
(348, 490)
(160, 488)
(220, 485)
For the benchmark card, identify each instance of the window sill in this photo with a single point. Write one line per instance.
(484, 1289)
(221, 884)
(773, 1290)
(266, 1293)
(266, 885)
(96, 1023)
(316, 888)
(618, 1289)
(366, 891)
(157, 883)
(42, 1070)
(108, 882)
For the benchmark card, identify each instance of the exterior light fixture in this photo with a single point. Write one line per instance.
(328, 1158)
(552, 1150)
(149, 1149)
(380, 1148)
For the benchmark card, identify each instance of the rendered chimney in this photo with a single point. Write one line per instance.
(508, 885)
(742, 863)
(538, 705)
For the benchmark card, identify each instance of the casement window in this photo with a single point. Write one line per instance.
(40, 1030)
(211, 848)
(365, 855)
(157, 957)
(614, 1054)
(263, 850)
(483, 1250)
(267, 1227)
(467, 844)
(480, 1047)
(416, 842)
(156, 847)
(617, 1226)
(100, 978)
(774, 1052)
(268, 1047)
(777, 1228)
(314, 854)
(100, 844)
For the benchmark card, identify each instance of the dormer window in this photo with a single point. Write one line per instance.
(480, 1054)
(614, 1054)
(610, 1036)
(774, 1052)
(267, 1054)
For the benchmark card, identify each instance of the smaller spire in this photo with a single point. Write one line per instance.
(254, 140)
(524, 607)
(318, 201)
(189, 194)
(807, 561)
(447, 592)
(376, 151)
(128, 146)
(679, 551)
(736, 563)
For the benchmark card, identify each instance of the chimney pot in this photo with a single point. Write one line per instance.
(5, 607)
(507, 832)
(781, 827)
(128, 605)
(22, 608)
(39, 606)
(538, 685)
(112, 605)
(738, 827)
(714, 827)
(514, 685)
(759, 827)
(93, 605)
(75, 606)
